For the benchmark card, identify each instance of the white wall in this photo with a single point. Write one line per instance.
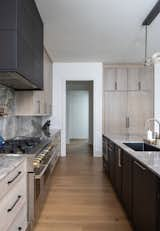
(157, 94)
(157, 91)
(63, 72)
(78, 107)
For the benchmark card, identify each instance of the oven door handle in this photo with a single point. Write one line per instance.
(38, 176)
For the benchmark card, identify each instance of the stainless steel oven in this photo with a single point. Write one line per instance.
(43, 172)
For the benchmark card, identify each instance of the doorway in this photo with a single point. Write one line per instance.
(79, 117)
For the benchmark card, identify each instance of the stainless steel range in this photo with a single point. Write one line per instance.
(42, 154)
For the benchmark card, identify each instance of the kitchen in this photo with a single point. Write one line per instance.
(110, 179)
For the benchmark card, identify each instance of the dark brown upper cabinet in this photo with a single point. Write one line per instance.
(21, 45)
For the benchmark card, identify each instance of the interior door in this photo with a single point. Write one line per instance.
(115, 110)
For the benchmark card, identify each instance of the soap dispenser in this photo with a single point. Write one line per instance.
(149, 135)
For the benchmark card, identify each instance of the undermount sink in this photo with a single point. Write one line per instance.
(142, 147)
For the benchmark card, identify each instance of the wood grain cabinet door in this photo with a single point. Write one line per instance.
(127, 183)
(133, 79)
(115, 111)
(121, 79)
(118, 171)
(146, 78)
(140, 108)
(109, 79)
(144, 198)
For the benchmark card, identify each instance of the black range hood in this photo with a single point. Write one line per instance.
(21, 45)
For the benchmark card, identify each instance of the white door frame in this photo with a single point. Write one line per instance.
(63, 72)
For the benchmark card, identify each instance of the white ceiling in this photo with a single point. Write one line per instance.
(108, 31)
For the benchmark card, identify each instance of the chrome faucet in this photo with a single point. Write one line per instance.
(154, 120)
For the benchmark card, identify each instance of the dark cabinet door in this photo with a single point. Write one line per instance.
(8, 14)
(25, 59)
(8, 50)
(144, 198)
(111, 157)
(105, 155)
(118, 171)
(31, 36)
(21, 45)
(127, 183)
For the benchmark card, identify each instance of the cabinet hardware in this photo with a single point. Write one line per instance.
(39, 106)
(10, 209)
(139, 86)
(116, 85)
(11, 181)
(127, 122)
(140, 166)
(119, 158)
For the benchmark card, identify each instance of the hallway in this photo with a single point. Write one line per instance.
(81, 198)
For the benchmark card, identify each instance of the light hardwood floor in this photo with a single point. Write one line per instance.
(81, 197)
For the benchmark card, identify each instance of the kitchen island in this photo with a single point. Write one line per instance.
(135, 176)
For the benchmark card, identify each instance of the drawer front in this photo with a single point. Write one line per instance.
(3, 188)
(15, 176)
(20, 222)
(12, 203)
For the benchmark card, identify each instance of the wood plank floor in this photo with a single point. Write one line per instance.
(81, 198)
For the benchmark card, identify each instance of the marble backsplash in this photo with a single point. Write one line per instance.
(10, 125)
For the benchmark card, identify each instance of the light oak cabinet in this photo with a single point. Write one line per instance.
(115, 79)
(131, 78)
(37, 103)
(140, 79)
(130, 103)
(115, 111)
(139, 109)
(13, 200)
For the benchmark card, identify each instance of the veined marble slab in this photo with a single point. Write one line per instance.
(150, 159)
(8, 164)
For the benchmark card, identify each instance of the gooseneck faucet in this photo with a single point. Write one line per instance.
(154, 120)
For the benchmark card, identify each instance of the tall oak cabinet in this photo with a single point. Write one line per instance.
(128, 99)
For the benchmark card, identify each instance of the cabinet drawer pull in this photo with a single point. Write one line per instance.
(11, 181)
(127, 122)
(139, 86)
(39, 106)
(10, 209)
(140, 166)
(119, 158)
(116, 85)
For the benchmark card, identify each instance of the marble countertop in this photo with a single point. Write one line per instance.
(149, 159)
(8, 164)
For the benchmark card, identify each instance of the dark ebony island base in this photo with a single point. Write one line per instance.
(136, 186)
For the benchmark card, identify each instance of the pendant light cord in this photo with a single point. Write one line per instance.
(146, 43)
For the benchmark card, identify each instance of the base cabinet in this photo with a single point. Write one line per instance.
(127, 183)
(136, 186)
(118, 172)
(111, 158)
(144, 198)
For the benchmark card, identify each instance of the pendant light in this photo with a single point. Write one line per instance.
(156, 57)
